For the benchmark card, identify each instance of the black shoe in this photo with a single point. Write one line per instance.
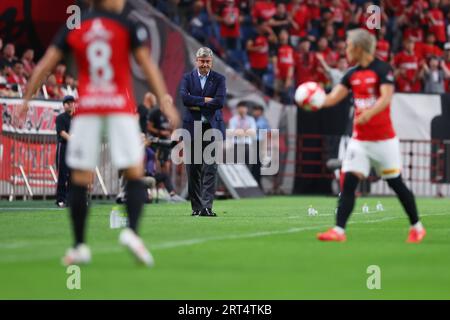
(195, 213)
(207, 212)
(121, 200)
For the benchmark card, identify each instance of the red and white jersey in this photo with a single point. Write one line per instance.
(437, 25)
(259, 59)
(382, 50)
(365, 85)
(409, 62)
(101, 48)
(285, 60)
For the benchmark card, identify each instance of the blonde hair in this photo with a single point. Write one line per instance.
(363, 39)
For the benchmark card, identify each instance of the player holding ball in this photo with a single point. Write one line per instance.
(374, 142)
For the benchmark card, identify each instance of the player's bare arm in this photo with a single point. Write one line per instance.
(52, 56)
(338, 93)
(386, 93)
(156, 83)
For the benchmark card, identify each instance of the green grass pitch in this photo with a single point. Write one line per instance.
(255, 249)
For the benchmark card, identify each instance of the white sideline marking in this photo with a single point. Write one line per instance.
(31, 209)
(189, 242)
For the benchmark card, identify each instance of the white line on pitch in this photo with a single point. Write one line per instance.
(30, 209)
(189, 242)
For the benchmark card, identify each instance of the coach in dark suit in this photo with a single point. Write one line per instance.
(203, 92)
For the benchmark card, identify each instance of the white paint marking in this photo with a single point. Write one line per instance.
(190, 242)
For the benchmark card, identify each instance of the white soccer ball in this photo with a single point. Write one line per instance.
(310, 96)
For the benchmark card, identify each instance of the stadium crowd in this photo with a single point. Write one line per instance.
(15, 72)
(279, 44)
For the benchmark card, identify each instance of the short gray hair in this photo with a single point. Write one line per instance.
(363, 39)
(204, 52)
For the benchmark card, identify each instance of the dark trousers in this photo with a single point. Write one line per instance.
(165, 179)
(201, 178)
(63, 173)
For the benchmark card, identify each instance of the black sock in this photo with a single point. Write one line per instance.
(406, 197)
(135, 191)
(347, 199)
(78, 211)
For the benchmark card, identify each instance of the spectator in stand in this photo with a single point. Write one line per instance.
(280, 19)
(315, 16)
(243, 128)
(263, 10)
(328, 54)
(230, 19)
(406, 72)
(448, 25)
(70, 86)
(53, 89)
(414, 30)
(28, 63)
(329, 33)
(1, 44)
(258, 54)
(5, 87)
(434, 74)
(417, 10)
(283, 64)
(184, 11)
(17, 74)
(436, 22)
(340, 48)
(335, 74)
(327, 20)
(213, 8)
(339, 10)
(330, 58)
(4, 90)
(305, 63)
(429, 48)
(300, 20)
(383, 46)
(199, 25)
(447, 64)
(60, 71)
(9, 57)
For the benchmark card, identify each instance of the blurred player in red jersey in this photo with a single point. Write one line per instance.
(101, 47)
(374, 142)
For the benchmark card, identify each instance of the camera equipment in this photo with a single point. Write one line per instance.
(164, 143)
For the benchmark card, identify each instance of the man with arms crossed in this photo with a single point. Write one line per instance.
(203, 92)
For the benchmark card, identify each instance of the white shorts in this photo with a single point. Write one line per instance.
(383, 155)
(86, 137)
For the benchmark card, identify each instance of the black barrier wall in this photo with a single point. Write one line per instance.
(333, 122)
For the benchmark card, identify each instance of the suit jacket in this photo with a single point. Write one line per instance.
(194, 100)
